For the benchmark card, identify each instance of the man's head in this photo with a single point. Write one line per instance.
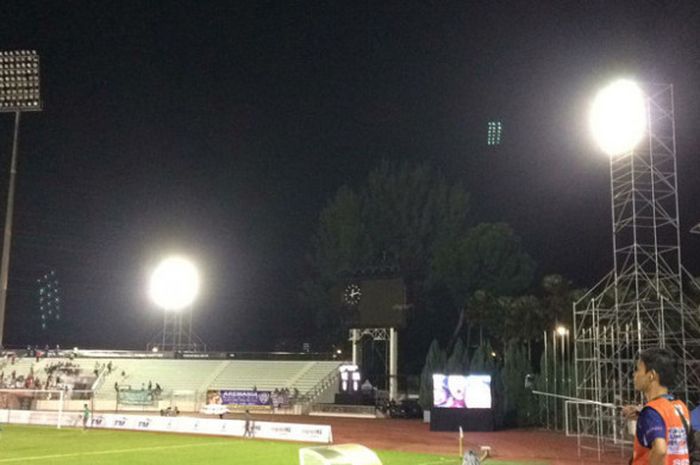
(655, 367)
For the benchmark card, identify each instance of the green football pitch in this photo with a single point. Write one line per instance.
(26, 445)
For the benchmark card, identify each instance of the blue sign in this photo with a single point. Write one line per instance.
(246, 398)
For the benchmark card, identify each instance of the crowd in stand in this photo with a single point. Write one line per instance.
(284, 397)
(10, 358)
(154, 390)
(12, 381)
(56, 374)
(60, 375)
(68, 368)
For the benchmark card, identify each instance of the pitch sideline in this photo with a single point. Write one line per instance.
(113, 451)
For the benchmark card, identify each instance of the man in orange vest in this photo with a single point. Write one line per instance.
(661, 436)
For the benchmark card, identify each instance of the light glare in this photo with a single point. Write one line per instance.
(174, 284)
(618, 117)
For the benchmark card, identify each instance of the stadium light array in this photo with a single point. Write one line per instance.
(495, 128)
(19, 81)
(618, 117)
(174, 284)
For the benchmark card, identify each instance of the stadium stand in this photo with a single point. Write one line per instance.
(185, 382)
(171, 375)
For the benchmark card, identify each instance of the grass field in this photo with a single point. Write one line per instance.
(20, 445)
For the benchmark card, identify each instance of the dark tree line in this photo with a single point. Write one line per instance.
(469, 283)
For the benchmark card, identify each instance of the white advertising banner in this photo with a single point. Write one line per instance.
(188, 425)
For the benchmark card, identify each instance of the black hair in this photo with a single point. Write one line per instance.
(663, 362)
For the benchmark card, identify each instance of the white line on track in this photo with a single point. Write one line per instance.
(113, 451)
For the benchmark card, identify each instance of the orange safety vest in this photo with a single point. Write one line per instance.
(676, 436)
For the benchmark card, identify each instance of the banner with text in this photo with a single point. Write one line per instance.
(247, 399)
(188, 425)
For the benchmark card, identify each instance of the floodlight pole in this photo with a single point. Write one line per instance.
(19, 91)
(7, 236)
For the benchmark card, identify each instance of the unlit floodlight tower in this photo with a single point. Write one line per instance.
(640, 303)
(19, 92)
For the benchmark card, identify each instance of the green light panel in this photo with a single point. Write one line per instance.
(495, 129)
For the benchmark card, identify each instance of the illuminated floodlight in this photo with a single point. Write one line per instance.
(562, 330)
(19, 81)
(495, 128)
(174, 284)
(619, 117)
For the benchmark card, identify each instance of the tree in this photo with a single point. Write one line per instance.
(457, 276)
(483, 360)
(434, 363)
(558, 298)
(455, 364)
(398, 215)
(518, 401)
(490, 260)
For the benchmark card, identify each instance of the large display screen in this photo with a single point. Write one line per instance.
(459, 391)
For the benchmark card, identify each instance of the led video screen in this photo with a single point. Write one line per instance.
(459, 391)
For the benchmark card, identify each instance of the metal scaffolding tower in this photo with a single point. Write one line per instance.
(640, 303)
(177, 334)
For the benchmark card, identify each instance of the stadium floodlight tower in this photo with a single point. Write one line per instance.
(640, 303)
(174, 286)
(19, 92)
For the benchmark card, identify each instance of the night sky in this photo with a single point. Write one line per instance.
(221, 128)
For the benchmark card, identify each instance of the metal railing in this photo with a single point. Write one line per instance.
(322, 385)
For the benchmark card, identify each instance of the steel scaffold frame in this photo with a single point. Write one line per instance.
(640, 303)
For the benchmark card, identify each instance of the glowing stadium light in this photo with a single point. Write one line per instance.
(619, 117)
(174, 284)
(562, 330)
(19, 81)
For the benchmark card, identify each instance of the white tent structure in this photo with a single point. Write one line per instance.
(341, 454)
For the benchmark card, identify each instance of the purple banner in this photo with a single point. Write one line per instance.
(246, 398)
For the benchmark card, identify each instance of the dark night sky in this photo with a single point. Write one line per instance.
(221, 128)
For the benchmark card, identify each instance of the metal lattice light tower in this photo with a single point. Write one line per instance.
(19, 92)
(640, 303)
(174, 286)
